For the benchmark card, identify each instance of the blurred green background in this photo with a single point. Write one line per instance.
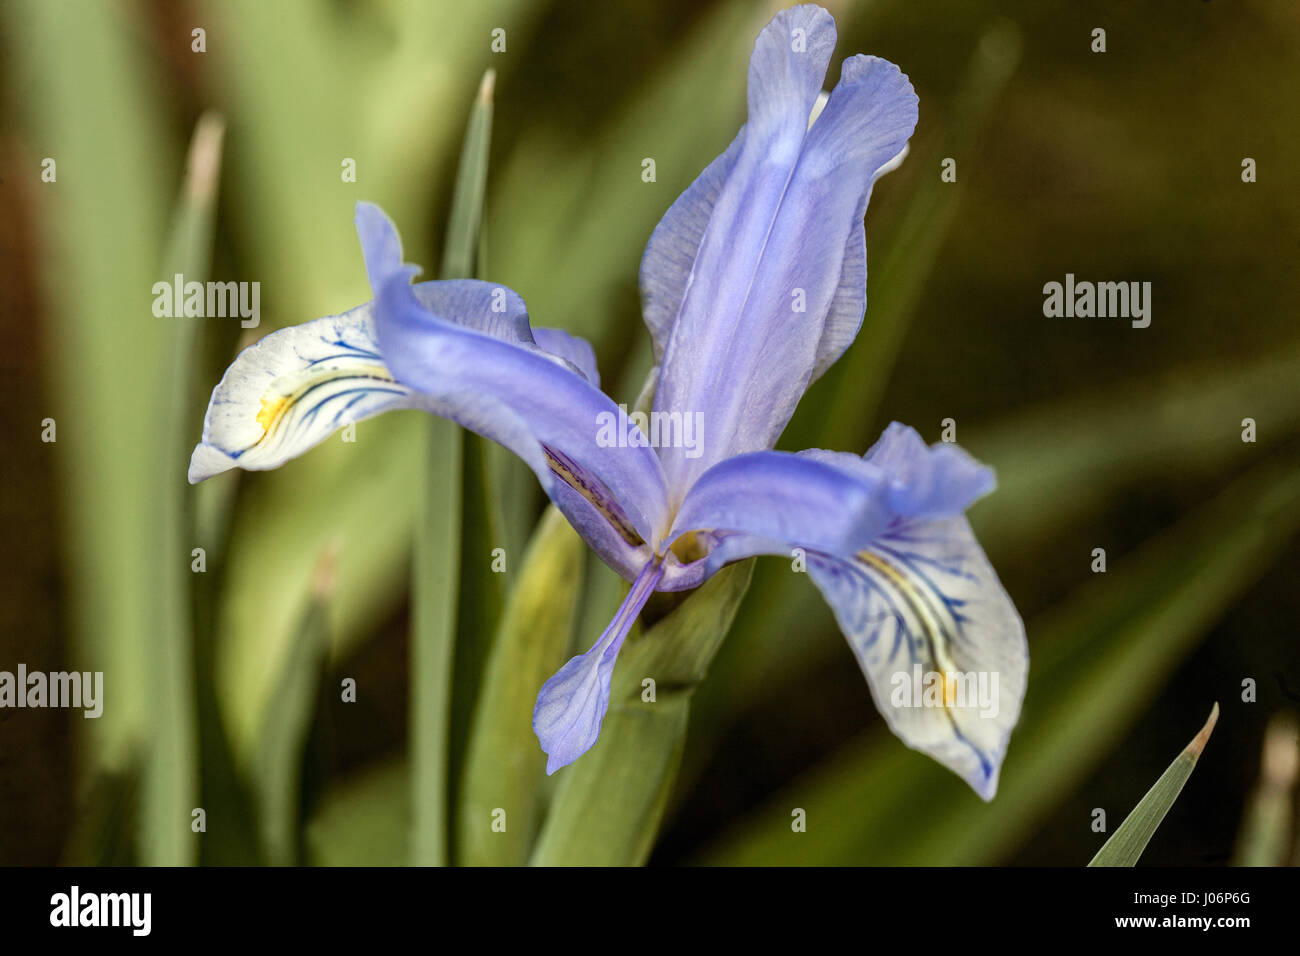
(222, 688)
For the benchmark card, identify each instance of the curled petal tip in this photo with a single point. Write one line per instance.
(207, 462)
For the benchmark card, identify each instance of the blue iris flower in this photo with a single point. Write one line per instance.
(753, 285)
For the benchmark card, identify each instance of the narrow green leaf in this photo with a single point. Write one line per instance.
(481, 592)
(460, 252)
(481, 588)
(1126, 844)
(434, 584)
(103, 224)
(171, 768)
(609, 804)
(225, 790)
(439, 537)
(287, 723)
(505, 767)
(362, 495)
(1095, 662)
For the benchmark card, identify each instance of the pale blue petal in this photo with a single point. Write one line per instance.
(849, 303)
(474, 304)
(770, 502)
(866, 123)
(831, 502)
(572, 704)
(885, 539)
(738, 295)
(923, 601)
(292, 389)
(593, 511)
(670, 254)
(928, 481)
(786, 71)
(782, 254)
(295, 387)
(573, 349)
(538, 404)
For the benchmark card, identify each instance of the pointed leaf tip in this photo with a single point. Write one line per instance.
(1202, 738)
(204, 162)
(1127, 843)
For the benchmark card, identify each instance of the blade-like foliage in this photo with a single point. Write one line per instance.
(502, 790)
(171, 768)
(282, 744)
(436, 578)
(1126, 844)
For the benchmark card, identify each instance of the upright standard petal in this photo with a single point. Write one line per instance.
(705, 370)
(864, 129)
(669, 256)
(572, 704)
(781, 254)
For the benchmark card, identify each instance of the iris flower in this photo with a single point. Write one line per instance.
(752, 285)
